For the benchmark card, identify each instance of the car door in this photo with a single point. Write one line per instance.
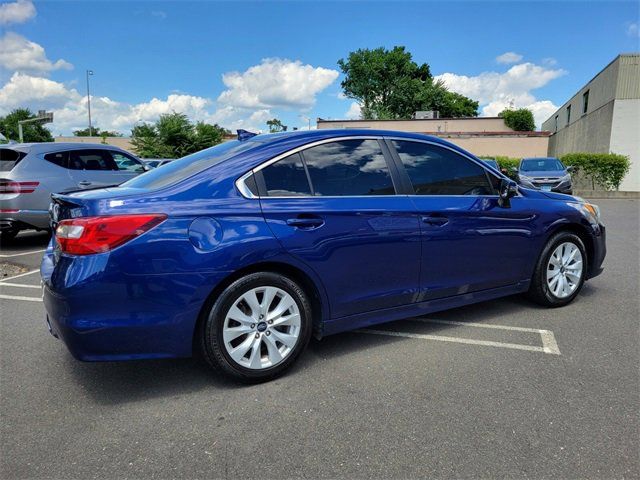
(93, 168)
(333, 206)
(470, 243)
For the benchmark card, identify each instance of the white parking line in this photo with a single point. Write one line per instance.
(20, 285)
(549, 344)
(18, 276)
(5, 255)
(18, 297)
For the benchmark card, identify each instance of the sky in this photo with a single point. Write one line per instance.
(239, 64)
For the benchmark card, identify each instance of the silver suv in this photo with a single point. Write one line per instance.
(31, 172)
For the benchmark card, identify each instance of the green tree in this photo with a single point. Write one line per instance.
(96, 132)
(388, 84)
(276, 126)
(32, 132)
(174, 136)
(520, 120)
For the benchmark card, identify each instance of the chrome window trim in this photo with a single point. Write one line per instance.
(246, 193)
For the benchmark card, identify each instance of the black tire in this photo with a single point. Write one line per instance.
(539, 290)
(212, 346)
(8, 235)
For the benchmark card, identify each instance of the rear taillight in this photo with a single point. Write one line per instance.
(89, 235)
(18, 187)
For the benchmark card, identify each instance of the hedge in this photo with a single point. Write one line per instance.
(604, 169)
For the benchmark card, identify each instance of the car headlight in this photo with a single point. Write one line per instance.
(525, 178)
(566, 178)
(592, 210)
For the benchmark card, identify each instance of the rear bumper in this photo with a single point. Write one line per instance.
(105, 315)
(24, 219)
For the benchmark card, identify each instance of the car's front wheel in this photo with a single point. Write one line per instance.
(257, 327)
(560, 271)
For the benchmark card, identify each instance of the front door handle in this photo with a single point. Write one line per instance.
(306, 223)
(435, 220)
(85, 183)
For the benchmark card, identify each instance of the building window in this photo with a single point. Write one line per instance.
(556, 123)
(585, 101)
(568, 114)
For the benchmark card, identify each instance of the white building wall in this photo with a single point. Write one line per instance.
(625, 139)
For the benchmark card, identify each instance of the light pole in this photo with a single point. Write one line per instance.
(306, 119)
(89, 72)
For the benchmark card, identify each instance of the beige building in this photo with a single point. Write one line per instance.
(603, 117)
(122, 142)
(484, 136)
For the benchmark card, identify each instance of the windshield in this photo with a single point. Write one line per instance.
(188, 166)
(541, 164)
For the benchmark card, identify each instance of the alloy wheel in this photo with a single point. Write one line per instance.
(564, 270)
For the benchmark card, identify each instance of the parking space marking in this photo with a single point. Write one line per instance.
(20, 285)
(549, 344)
(18, 297)
(20, 275)
(9, 255)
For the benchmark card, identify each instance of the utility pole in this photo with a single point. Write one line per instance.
(89, 72)
(43, 117)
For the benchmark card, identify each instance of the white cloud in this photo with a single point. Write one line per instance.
(496, 91)
(276, 83)
(23, 90)
(159, 14)
(18, 54)
(509, 57)
(354, 112)
(633, 30)
(16, 12)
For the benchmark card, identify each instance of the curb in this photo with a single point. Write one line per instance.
(607, 194)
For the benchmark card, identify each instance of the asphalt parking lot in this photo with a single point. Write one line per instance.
(499, 389)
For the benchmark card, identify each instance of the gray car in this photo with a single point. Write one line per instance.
(31, 172)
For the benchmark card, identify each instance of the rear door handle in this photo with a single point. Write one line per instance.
(306, 223)
(435, 221)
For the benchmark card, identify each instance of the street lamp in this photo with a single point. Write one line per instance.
(89, 72)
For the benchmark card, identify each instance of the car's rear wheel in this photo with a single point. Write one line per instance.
(257, 327)
(560, 271)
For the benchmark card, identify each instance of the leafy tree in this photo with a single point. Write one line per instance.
(388, 84)
(174, 136)
(520, 120)
(32, 132)
(276, 126)
(96, 133)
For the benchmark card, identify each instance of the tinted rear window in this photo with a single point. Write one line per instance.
(10, 158)
(188, 166)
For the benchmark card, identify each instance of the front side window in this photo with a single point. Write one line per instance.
(348, 168)
(435, 170)
(126, 163)
(286, 178)
(91, 160)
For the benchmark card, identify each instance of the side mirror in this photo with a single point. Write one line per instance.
(508, 189)
(514, 169)
(570, 168)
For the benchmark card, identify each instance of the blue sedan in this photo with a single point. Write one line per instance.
(243, 251)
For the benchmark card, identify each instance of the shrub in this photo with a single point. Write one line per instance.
(606, 169)
(520, 120)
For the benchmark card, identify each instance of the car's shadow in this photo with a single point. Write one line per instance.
(26, 240)
(123, 382)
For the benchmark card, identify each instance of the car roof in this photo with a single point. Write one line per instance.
(54, 146)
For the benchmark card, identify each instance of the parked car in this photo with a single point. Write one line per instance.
(31, 172)
(242, 251)
(547, 174)
(492, 163)
(156, 162)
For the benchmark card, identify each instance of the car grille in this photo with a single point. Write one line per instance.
(546, 182)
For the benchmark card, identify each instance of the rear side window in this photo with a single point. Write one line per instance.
(348, 167)
(10, 158)
(91, 160)
(436, 170)
(58, 158)
(286, 178)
